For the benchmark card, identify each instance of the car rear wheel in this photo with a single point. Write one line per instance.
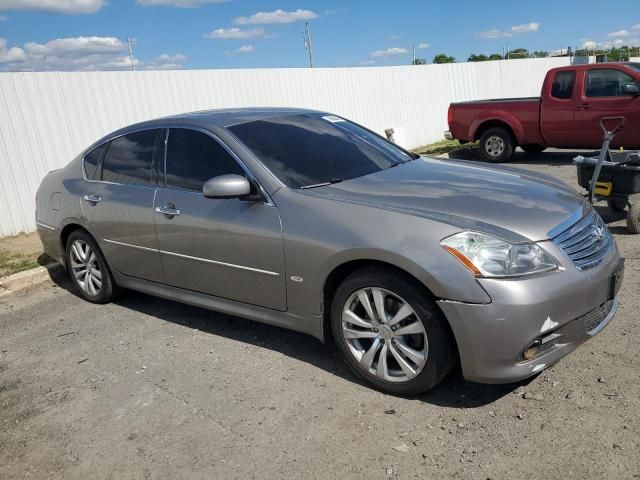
(88, 268)
(533, 148)
(496, 145)
(390, 333)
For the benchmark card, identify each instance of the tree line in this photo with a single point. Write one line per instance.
(614, 54)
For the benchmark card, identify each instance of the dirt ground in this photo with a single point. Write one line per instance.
(147, 388)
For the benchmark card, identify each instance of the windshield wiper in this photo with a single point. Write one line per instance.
(323, 184)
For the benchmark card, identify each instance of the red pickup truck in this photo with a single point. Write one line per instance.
(566, 115)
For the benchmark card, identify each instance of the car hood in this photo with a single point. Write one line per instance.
(515, 204)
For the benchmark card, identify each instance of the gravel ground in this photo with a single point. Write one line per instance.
(147, 388)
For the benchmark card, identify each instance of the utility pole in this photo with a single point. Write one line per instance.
(306, 36)
(414, 55)
(133, 65)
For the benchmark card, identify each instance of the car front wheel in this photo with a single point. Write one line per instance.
(390, 333)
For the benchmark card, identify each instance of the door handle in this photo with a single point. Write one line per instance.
(584, 106)
(168, 210)
(92, 198)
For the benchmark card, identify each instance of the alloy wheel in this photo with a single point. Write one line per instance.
(85, 268)
(384, 334)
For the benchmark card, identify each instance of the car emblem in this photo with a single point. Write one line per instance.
(598, 232)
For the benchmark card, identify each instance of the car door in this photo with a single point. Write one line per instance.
(230, 248)
(118, 203)
(558, 109)
(602, 96)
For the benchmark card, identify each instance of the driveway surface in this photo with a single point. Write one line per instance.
(147, 388)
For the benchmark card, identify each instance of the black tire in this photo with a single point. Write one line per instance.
(441, 354)
(533, 148)
(617, 204)
(108, 289)
(633, 218)
(497, 145)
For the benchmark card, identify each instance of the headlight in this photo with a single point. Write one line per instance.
(487, 256)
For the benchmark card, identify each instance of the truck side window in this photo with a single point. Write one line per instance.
(604, 82)
(563, 84)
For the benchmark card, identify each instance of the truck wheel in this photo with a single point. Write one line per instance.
(617, 204)
(633, 218)
(533, 148)
(496, 145)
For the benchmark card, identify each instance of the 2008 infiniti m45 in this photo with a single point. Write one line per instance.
(308, 221)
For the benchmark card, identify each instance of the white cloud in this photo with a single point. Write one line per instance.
(620, 33)
(176, 3)
(423, 45)
(166, 62)
(636, 27)
(76, 46)
(3, 18)
(589, 44)
(234, 33)
(241, 50)
(514, 30)
(277, 16)
(394, 37)
(388, 52)
(367, 62)
(79, 53)
(68, 7)
(525, 28)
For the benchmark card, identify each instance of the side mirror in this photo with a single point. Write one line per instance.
(630, 89)
(226, 186)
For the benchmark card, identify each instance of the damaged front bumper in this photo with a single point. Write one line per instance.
(532, 323)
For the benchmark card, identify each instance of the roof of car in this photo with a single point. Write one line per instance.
(226, 117)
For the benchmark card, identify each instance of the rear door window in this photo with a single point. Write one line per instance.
(606, 83)
(194, 157)
(563, 84)
(91, 161)
(129, 159)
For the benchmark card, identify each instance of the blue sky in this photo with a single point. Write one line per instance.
(91, 34)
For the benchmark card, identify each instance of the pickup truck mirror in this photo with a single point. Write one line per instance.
(630, 89)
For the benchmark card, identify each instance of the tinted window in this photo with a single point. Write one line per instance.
(91, 160)
(129, 159)
(563, 84)
(606, 83)
(193, 158)
(310, 149)
(635, 66)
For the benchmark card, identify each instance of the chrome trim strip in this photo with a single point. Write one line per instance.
(569, 222)
(130, 245)
(189, 257)
(45, 226)
(223, 264)
(607, 319)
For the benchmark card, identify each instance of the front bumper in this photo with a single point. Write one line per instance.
(563, 309)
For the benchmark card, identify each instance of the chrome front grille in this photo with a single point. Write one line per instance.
(586, 242)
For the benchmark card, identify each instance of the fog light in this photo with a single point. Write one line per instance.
(540, 345)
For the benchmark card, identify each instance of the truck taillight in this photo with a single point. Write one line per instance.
(449, 115)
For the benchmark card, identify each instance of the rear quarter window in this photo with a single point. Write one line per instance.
(563, 84)
(91, 161)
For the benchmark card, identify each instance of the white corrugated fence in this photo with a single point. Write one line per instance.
(47, 118)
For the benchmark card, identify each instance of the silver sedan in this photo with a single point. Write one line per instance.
(308, 221)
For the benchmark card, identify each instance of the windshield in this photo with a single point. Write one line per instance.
(308, 150)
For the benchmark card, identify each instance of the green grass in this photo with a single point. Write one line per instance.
(11, 263)
(443, 146)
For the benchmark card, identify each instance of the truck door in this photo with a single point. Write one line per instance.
(606, 92)
(557, 110)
